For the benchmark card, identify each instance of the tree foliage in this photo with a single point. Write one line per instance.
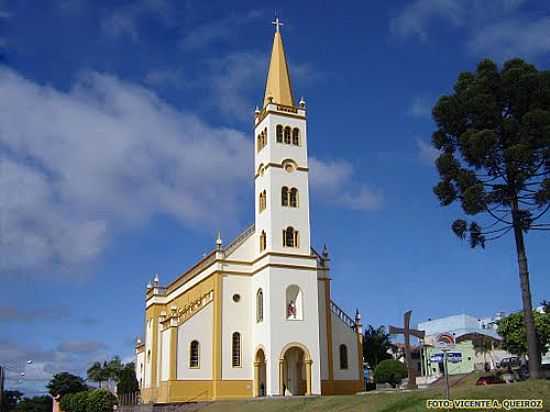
(64, 383)
(390, 371)
(35, 404)
(512, 330)
(10, 399)
(127, 382)
(493, 133)
(376, 343)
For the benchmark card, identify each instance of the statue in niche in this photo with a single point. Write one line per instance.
(291, 310)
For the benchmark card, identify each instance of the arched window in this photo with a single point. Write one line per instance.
(294, 303)
(263, 241)
(290, 237)
(279, 133)
(296, 136)
(259, 306)
(194, 354)
(293, 197)
(263, 200)
(343, 357)
(284, 196)
(236, 350)
(287, 135)
(265, 137)
(259, 143)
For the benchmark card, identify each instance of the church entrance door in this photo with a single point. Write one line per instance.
(259, 374)
(295, 370)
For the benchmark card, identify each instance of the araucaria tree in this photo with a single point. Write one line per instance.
(493, 133)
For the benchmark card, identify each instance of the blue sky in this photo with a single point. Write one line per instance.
(126, 143)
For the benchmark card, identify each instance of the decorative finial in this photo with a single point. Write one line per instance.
(156, 280)
(325, 251)
(257, 111)
(149, 285)
(302, 102)
(357, 316)
(277, 24)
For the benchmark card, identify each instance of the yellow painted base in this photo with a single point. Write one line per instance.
(211, 390)
(197, 390)
(336, 387)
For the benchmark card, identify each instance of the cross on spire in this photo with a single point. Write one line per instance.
(277, 23)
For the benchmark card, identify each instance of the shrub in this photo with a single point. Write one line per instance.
(75, 402)
(100, 400)
(97, 400)
(66, 402)
(390, 371)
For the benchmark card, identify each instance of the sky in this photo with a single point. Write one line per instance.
(126, 144)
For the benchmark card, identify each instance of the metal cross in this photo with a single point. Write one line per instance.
(406, 331)
(277, 23)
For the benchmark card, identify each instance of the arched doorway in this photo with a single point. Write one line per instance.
(295, 371)
(259, 374)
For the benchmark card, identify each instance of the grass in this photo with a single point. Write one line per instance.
(390, 401)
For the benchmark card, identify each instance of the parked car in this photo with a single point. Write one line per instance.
(510, 362)
(489, 380)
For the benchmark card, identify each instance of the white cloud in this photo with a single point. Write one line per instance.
(420, 107)
(426, 152)
(416, 16)
(106, 154)
(513, 38)
(218, 30)
(123, 21)
(332, 181)
(499, 29)
(165, 77)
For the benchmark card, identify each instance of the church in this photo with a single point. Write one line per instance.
(255, 316)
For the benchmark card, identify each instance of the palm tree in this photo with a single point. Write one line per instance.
(114, 368)
(96, 373)
(484, 345)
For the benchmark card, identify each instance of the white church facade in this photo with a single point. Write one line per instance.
(255, 317)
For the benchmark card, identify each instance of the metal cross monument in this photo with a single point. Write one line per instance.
(406, 331)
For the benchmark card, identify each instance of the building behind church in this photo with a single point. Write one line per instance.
(255, 317)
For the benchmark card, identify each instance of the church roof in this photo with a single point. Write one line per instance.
(278, 84)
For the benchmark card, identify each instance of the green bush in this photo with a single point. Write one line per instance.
(100, 400)
(97, 400)
(66, 402)
(75, 402)
(390, 371)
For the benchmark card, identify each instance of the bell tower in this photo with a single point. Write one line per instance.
(281, 162)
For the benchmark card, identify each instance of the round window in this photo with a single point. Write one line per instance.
(236, 297)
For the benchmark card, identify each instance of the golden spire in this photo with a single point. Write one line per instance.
(278, 80)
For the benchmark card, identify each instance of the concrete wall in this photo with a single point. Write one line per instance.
(237, 317)
(199, 328)
(342, 334)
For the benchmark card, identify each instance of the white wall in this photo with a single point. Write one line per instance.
(305, 332)
(237, 317)
(200, 328)
(260, 330)
(343, 334)
(160, 353)
(148, 349)
(165, 355)
(140, 368)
